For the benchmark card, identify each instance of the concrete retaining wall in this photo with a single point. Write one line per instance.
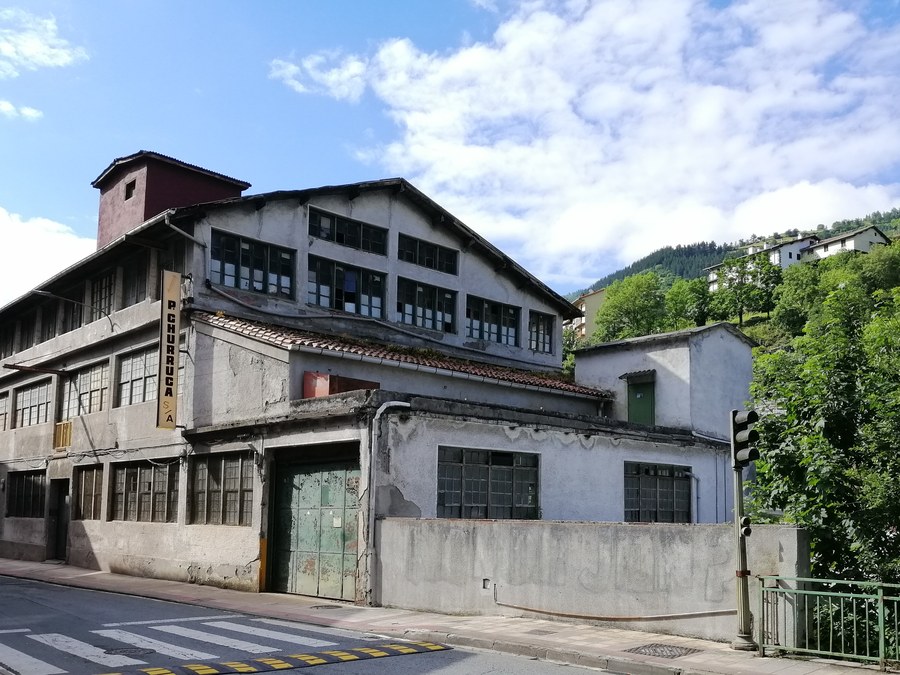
(680, 575)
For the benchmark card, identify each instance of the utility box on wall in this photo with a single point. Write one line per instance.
(324, 384)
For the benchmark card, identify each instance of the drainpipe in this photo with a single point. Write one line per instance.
(370, 487)
(696, 504)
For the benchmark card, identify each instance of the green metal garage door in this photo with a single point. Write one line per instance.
(314, 552)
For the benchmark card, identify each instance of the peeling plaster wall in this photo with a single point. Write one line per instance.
(595, 569)
(581, 474)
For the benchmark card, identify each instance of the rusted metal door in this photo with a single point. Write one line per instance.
(316, 533)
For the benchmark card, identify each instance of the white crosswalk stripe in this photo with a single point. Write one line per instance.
(271, 634)
(203, 636)
(158, 646)
(85, 651)
(18, 662)
(334, 632)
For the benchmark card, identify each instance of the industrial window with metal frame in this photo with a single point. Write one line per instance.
(25, 494)
(657, 493)
(137, 376)
(145, 491)
(426, 306)
(102, 292)
(347, 232)
(492, 321)
(33, 405)
(251, 265)
(426, 254)
(350, 289)
(222, 489)
(487, 484)
(4, 412)
(85, 392)
(540, 332)
(88, 492)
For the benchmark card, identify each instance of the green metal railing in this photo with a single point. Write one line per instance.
(854, 620)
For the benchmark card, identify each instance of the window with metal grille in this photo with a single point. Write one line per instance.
(426, 306)
(251, 265)
(222, 489)
(85, 392)
(88, 492)
(25, 494)
(33, 404)
(347, 232)
(4, 412)
(102, 291)
(487, 484)
(134, 280)
(27, 324)
(540, 332)
(146, 492)
(657, 493)
(426, 254)
(350, 289)
(492, 321)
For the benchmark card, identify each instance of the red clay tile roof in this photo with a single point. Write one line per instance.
(290, 337)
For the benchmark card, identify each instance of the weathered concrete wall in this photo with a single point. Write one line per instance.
(581, 474)
(683, 575)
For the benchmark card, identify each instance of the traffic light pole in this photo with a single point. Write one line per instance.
(744, 638)
(742, 453)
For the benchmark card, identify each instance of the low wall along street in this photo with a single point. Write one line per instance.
(675, 579)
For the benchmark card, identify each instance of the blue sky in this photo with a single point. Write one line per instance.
(575, 135)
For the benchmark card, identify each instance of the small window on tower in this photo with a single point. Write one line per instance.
(129, 189)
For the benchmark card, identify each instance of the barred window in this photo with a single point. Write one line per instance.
(102, 290)
(33, 404)
(426, 254)
(657, 493)
(487, 484)
(25, 494)
(85, 392)
(426, 306)
(540, 332)
(88, 492)
(222, 489)
(146, 492)
(48, 320)
(351, 289)
(492, 321)
(347, 232)
(27, 324)
(251, 265)
(4, 412)
(73, 309)
(7, 339)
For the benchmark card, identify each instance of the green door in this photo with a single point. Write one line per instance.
(316, 530)
(640, 403)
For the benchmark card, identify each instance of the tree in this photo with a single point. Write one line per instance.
(687, 304)
(633, 307)
(738, 291)
(767, 276)
(830, 419)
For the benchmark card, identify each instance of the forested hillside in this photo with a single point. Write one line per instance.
(689, 261)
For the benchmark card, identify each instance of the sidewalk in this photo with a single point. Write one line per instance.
(592, 646)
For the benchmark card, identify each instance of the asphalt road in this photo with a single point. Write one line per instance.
(49, 630)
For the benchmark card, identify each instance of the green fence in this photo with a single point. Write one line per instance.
(853, 620)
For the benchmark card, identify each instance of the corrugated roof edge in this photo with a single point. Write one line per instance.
(290, 337)
(150, 154)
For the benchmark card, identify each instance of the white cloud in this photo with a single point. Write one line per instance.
(29, 42)
(584, 135)
(7, 109)
(41, 245)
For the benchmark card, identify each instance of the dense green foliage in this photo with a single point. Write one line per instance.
(830, 408)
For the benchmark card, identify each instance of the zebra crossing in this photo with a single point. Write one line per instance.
(163, 643)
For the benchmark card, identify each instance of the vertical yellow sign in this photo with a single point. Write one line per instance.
(169, 343)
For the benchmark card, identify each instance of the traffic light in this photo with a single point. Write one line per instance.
(745, 526)
(743, 437)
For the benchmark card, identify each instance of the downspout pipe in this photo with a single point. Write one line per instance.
(374, 438)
